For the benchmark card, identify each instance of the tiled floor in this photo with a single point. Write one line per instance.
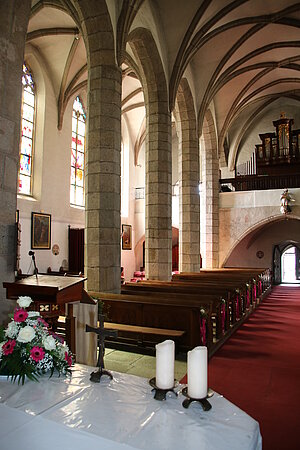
(137, 364)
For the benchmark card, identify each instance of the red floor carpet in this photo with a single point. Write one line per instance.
(258, 369)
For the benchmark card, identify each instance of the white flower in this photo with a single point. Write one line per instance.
(49, 343)
(24, 301)
(12, 330)
(46, 363)
(33, 314)
(63, 348)
(1, 345)
(26, 334)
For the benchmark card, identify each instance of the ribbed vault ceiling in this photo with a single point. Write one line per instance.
(238, 56)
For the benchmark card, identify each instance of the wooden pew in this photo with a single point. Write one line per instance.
(228, 293)
(220, 304)
(219, 299)
(171, 313)
(258, 279)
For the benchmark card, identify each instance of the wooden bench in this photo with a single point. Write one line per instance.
(257, 280)
(207, 306)
(142, 331)
(201, 292)
(170, 312)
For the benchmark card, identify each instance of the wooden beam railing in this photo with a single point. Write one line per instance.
(259, 182)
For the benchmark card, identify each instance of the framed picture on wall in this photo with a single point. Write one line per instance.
(126, 237)
(40, 231)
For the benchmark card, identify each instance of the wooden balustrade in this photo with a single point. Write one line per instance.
(260, 182)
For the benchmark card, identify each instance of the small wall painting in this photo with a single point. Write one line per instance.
(40, 231)
(126, 237)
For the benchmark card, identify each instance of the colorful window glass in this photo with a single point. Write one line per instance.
(26, 144)
(77, 154)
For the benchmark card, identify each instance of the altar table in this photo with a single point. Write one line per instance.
(120, 414)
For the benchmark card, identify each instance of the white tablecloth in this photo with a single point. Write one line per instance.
(119, 414)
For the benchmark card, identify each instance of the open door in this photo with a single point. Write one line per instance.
(276, 265)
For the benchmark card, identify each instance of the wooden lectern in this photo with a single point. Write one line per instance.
(50, 295)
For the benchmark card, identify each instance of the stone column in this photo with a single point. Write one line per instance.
(188, 171)
(209, 219)
(14, 18)
(158, 199)
(103, 198)
(189, 208)
(158, 157)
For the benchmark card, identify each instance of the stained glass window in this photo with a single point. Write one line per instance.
(26, 145)
(77, 154)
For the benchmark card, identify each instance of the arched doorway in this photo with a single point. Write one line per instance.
(286, 263)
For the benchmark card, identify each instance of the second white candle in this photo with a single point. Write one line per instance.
(197, 372)
(165, 359)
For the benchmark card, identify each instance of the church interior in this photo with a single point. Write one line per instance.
(150, 150)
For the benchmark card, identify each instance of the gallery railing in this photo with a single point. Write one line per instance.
(259, 182)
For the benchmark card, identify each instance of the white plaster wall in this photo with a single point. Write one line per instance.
(139, 208)
(128, 256)
(245, 253)
(52, 174)
(243, 212)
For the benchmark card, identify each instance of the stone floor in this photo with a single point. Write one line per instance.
(137, 364)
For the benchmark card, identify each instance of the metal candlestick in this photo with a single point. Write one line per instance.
(160, 394)
(206, 406)
(96, 376)
(102, 334)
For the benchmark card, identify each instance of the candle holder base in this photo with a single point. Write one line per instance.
(95, 377)
(206, 406)
(160, 394)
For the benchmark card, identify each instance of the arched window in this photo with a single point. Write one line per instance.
(77, 154)
(27, 132)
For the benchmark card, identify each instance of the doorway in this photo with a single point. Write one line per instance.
(288, 265)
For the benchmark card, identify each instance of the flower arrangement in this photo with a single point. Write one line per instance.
(29, 349)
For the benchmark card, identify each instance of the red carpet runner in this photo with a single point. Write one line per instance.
(258, 369)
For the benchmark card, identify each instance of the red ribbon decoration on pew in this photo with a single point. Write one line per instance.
(248, 299)
(203, 330)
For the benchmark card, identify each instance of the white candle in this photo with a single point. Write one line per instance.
(165, 357)
(197, 372)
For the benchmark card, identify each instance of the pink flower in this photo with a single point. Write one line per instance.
(68, 358)
(20, 315)
(37, 353)
(8, 347)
